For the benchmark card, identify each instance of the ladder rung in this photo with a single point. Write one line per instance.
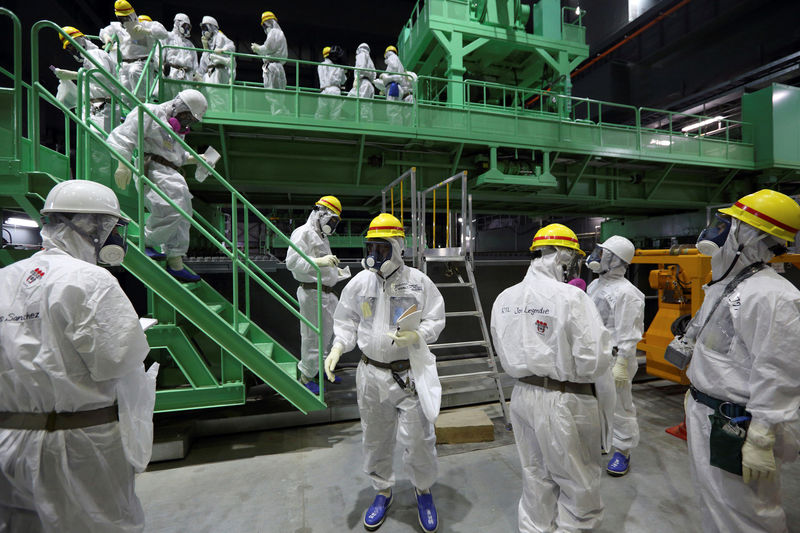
(464, 344)
(487, 373)
(462, 313)
(465, 284)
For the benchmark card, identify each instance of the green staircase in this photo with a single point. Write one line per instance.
(204, 342)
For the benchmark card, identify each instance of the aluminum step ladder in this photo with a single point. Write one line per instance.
(459, 259)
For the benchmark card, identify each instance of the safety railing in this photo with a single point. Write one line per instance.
(16, 126)
(228, 247)
(458, 224)
(572, 28)
(406, 185)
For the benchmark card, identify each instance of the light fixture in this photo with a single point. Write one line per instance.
(660, 142)
(24, 222)
(578, 11)
(700, 124)
(460, 220)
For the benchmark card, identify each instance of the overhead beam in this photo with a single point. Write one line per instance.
(585, 164)
(725, 182)
(660, 181)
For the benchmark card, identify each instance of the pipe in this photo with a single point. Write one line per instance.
(675, 250)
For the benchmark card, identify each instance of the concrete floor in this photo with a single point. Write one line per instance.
(305, 480)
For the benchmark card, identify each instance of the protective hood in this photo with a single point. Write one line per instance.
(611, 266)
(754, 245)
(76, 236)
(554, 263)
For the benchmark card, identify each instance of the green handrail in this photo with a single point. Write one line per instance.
(17, 80)
(215, 236)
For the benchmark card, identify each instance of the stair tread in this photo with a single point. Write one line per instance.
(265, 348)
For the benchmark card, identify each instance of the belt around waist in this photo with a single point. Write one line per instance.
(313, 287)
(133, 59)
(162, 161)
(59, 421)
(561, 386)
(400, 365)
(729, 409)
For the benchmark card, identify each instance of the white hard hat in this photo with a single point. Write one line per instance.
(182, 17)
(81, 196)
(621, 247)
(210, 20)
(365, 46)
(195, 101)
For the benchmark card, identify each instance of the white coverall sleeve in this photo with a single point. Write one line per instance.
(272, 46)
(102, 326)
(433, 321)
(628, 324)
(775, 375)
(294, 262)
(590, 340)
(124, 137)
(157, 30)
(347, 317)
(394, 66)
(108, 33)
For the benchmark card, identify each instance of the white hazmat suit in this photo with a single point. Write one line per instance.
(181, 64)
(314, 243)
(164, 225)
(275, 47)
(136, 40)
(368, 310)
(545, 327)
(362, 80)
(621, 306)
(394, 74)
(217, 67)
(70, 341)
(331, 79)
(747, 355)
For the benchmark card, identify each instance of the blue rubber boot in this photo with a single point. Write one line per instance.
(376, 514)
(618, 465)
(428, 520)
(313, 386)
(154, 254)
(183, 275)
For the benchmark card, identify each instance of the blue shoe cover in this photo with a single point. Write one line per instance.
(618, 465)
(428, 520)
(183, 275)
(154, 254)
(337, 380)
(312, 386)
(376, 514)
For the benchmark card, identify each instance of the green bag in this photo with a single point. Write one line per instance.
(726, 441)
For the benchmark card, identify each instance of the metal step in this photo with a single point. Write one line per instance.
(462, 313)
(265, 348)
(217, 308)
(445, 285)
(464, 344)
(243, 327)
(445, 259)
(487, 373)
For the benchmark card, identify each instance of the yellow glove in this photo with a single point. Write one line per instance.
(329, 260)
(255, 47)
(620, 372)
(758, 459)
(122, 176)
(404, 338)
(332, 360)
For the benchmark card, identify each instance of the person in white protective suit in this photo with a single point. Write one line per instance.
(621, 305)
(181, 64)
(99, 99)
(362, 80)
(76, 404)
(550, 337)
(276, 49)
(163, 159)
(136, 40)
(216, 65)
(394, 81)
(745, 368)
(388, 403)
(331, 82)
(312, 239)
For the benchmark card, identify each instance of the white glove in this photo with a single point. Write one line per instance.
(326, 261)
(122, 176)
(197, 76)
(220, 51)
(758, 459)
(620, 372)
(65, 75)
(404, 338)
(255, 47)
(192, 160)
(204, 40)
(139, 31)
(332, 360)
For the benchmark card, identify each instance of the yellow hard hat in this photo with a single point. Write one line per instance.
(770, 211)
(123, 8)
(390, 48)
(143, 18)
(326, 51)
(556, 235)
(385, 226)
(72, 32)
(268, 15)
(332, 203)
